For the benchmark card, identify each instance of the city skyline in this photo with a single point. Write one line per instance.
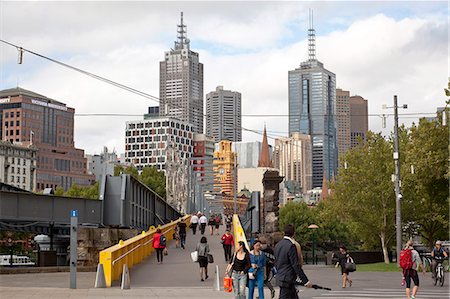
(376, 50)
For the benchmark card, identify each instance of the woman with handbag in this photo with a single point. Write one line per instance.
(344, 258)
(238, 269)
(257, 271)
(203, 251)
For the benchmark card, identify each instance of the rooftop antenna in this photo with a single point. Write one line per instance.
(311, 38)
(182, 40)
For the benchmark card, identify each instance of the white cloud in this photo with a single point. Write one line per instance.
(375, 57)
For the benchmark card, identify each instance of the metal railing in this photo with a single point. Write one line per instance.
(133, 251)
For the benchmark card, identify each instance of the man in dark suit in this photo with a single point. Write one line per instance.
(287, 265)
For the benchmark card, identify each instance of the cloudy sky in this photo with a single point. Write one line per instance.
(376, 49)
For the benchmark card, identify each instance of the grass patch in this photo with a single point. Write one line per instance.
(378, 267)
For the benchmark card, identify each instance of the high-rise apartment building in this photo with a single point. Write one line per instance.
(223, 115)
(343, 120)
(147, 141)
(312, 111)
(165, 143)
(359, 119)
(181, 83)
(30, 118)
(292, 156)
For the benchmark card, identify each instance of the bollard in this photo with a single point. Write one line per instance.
(216, 286)
(100, 281)
(125, 278)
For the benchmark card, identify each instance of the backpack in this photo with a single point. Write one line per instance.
(162, 241)
(406, 261)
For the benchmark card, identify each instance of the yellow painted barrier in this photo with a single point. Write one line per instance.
(238, 232)
(133, 251)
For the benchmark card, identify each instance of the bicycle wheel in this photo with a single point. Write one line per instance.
(441, 279)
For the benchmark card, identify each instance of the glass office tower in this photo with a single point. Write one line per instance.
(312, 110)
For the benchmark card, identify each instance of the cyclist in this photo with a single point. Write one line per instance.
(438, 253)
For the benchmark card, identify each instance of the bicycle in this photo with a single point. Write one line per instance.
(439, 276)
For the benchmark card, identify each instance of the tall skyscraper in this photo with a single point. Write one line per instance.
(30, 118)
(181, 83)
(223, 115)
(343, 120)
(359, 119)
(312, 110)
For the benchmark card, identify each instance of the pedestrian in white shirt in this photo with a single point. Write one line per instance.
(203, 221)
(194, 223)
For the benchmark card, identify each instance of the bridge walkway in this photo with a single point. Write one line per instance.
(178, 269)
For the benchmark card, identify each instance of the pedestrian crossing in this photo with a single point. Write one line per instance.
(383, 293)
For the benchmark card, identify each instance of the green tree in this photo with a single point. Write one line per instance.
(299, 215)
(363, 193)
(59, 191)
(426, 190)
(154, 179)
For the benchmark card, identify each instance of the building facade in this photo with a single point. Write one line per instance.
(312, 111)
(202, 160)
(359, 121)
(343, 120)
(181, 83)
(30, 118)
(102, 164)
(224, 115)
(293, 158)
(18, 165)
(224, 168)
(248, 153)
(167, 144)
(147, 141)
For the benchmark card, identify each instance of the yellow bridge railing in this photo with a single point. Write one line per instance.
(238, 232)
(133, 251)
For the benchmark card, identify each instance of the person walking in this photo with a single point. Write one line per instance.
(342, 259)
(239, 266)
(176, 236)
(217, 223)
(194, 223)
(270, 261)
(287, 265)
(257, 272)
(227, 242)
(211, 224)
(182, 233)
(159, 243)
(203, 250)
(411, 273)
(203, 220)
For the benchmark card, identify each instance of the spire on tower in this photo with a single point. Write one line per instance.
(311, 38)
(264, 157)
(181, 35)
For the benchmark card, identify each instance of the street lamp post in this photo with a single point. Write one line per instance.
(397, 180)
(313, 227)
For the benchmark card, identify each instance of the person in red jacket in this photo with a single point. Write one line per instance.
(158, 245)
(227, 242)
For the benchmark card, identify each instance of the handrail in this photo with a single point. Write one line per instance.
(128, 252)
(132, 251)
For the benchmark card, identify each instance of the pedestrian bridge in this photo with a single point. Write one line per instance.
(177, 268)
